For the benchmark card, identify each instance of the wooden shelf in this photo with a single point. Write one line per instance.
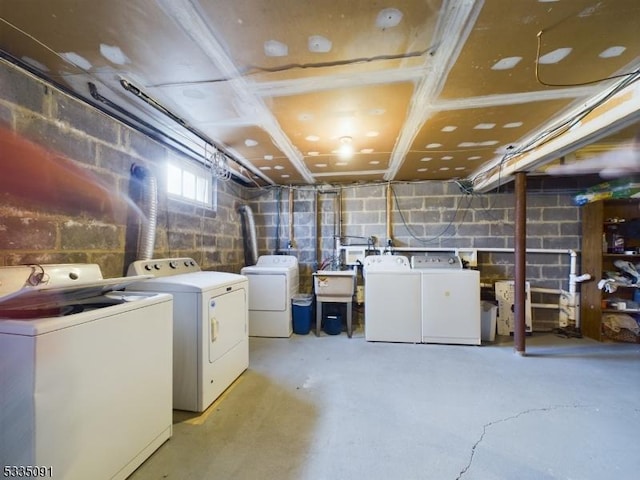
(596, 262)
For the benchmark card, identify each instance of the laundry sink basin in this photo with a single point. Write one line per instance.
(334, 283)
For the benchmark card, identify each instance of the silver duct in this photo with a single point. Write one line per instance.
(149, 208)
(249, 235)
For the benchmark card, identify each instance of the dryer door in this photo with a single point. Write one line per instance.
(268, 292)
(227, 322)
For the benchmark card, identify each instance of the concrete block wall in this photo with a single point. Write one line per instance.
(65, 180)
(425, 214)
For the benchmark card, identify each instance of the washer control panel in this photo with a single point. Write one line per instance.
(439, 260)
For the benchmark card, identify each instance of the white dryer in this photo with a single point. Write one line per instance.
(210, 325)
(450, 299)
(273, 282)
(392, 308)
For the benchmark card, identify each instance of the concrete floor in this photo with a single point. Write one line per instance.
(334, 408)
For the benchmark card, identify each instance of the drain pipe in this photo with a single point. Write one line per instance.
(290, 242)
(249, 235)
(316, 227)
(338, 235)
(574, 279)
(149, 207)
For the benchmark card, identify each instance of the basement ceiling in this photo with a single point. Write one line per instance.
(417, 90)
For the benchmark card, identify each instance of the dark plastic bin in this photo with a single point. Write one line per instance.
(333, 324)
(302, 311)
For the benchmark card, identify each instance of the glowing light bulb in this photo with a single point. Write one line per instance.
(346, 147)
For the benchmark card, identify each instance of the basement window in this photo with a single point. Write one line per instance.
(191, 183)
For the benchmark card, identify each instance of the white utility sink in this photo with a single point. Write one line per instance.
(334, 283)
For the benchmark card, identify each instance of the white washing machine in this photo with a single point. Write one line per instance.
(450, 299)
(210, 324)
(273, 282)
(392, 306)
(85, 372)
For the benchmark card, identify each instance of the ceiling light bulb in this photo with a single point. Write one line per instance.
(346, 147)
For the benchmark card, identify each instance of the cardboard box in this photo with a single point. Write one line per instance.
(505, 295)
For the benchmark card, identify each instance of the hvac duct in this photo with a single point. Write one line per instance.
(148, 203)
(249, 235)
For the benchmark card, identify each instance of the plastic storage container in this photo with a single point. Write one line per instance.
(488, 314)
(302, 311)
(333, 324)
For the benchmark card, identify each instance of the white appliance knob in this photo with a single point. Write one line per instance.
(157, 266)
(148, 267)
(173, 264)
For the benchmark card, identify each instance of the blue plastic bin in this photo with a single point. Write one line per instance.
(333, 324)
(302, 311)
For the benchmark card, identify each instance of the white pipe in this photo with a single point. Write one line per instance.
(573, 278)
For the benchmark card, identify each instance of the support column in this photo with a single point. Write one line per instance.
(520, 249)
(389, 212)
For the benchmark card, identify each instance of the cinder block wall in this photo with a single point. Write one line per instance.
(427, 214)
(65, 176)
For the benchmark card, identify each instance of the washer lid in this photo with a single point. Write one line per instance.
(53, 296)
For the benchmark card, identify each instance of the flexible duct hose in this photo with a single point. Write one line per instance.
(149, 207)
(250, 237)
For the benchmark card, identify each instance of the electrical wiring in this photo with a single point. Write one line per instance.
(439, 235)
(252, 70)
(579, 84)
(554, 132)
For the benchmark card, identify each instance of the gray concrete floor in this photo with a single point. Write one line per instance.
(334, 408)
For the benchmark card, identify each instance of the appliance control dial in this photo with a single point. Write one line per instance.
(173, 264)
(156, 266)
(148, 267)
